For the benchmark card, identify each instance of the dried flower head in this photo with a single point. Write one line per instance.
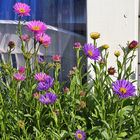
(82, 104)
(111, 71)
(82, 93)
(11, 44)
(66, 90)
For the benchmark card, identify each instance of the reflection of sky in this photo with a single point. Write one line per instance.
(50, 11)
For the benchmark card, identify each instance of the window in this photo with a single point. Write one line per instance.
(68, 25)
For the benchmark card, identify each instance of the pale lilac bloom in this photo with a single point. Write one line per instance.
(19, 77)
(37, 26)
(22, 9)
(48, 98)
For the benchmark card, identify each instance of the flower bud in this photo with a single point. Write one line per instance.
(77, 45)
(56, 58)
(25, 37)
(105, 46)
(95, 35)
(111, 71)
(82, 104)
(21, 124)
(11, 44)
(21, 69)
(36, 95)
(66, 90)
(133, 45)
(117, 53)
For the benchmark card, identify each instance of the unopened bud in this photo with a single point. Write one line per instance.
(95, 35)
(117, 53)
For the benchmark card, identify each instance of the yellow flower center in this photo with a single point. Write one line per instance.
(90, 53)
(123, 90)
(79, 136)
(22, 10)
(36, 28)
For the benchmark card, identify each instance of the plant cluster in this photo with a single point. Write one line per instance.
(34, 104)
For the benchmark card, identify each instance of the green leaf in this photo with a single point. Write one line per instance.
(124, 111)
(105, 135)
(122, 135)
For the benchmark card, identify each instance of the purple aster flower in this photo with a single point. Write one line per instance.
(22, 9)
(45, 85)
(37, 26)
(19, 76)
(80, 135)
(48, 98)
(91, 51)
(41, 59)
(124, 88)
(41, 76)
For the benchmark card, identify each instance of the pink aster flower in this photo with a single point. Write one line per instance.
(43, 39)
(22, 9)
(91, 51)
(56, 58)
(41, 77)
(37, 26)
(19, 77)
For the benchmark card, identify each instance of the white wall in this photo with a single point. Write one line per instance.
(116, 20)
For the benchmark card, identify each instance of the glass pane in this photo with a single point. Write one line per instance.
(68, 25)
